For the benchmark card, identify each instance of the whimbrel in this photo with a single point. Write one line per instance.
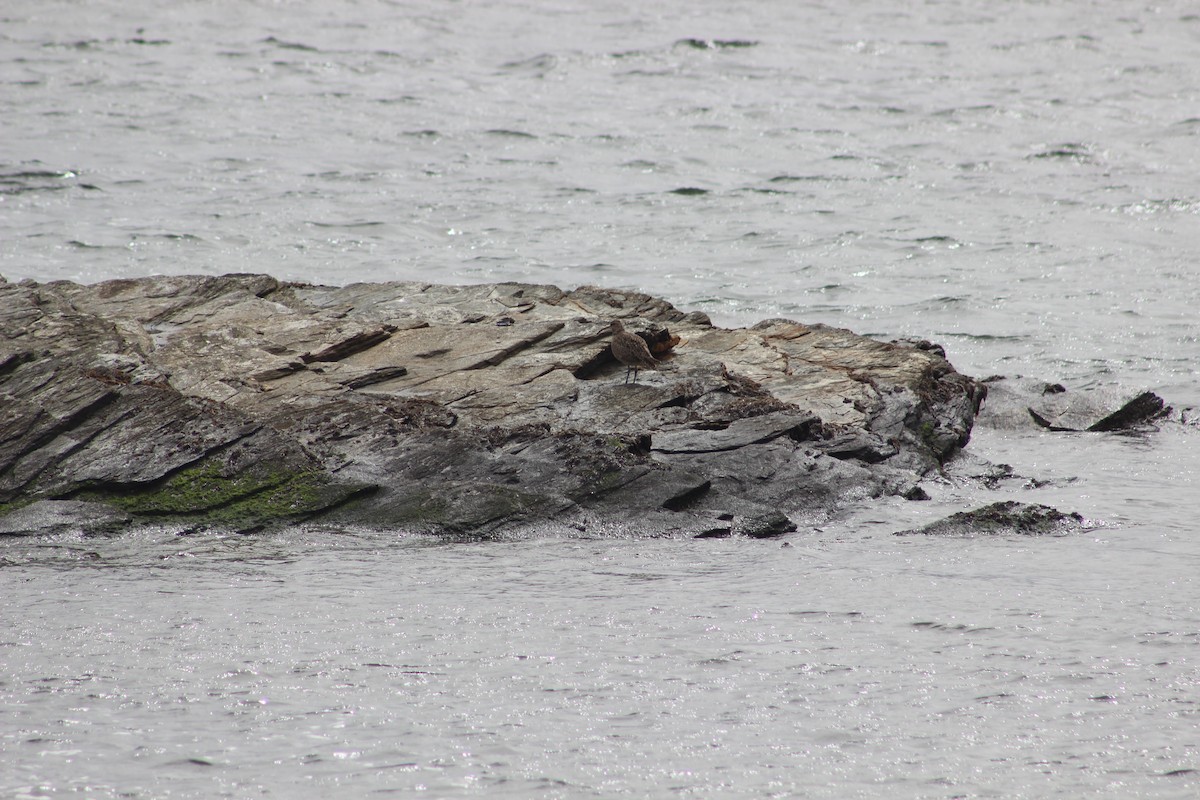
(631, 350)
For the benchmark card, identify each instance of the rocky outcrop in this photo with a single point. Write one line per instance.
(241, 401)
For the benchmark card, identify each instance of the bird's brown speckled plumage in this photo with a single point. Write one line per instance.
(631, 350)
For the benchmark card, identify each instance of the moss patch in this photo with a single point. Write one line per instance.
(13, 505)
(197, 488)
(424, 509)
(204, 494)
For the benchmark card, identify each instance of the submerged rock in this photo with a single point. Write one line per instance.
(1006, 517)
(241, 401)
(1017, 403)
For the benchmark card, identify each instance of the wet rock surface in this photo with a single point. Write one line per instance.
(242, 401)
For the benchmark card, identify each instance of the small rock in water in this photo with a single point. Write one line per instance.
(1016, 403)
(1006, 517)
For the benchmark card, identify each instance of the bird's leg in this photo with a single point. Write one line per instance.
(627, 369)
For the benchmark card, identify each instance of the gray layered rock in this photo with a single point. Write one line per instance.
(242, 401)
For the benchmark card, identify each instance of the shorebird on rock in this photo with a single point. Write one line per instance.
(631, 350)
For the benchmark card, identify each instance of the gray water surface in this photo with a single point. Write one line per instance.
(850, 664)
(1017, 181)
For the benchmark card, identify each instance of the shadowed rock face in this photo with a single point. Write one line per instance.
(241, 401)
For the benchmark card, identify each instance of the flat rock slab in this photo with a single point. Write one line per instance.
(242, 401)
(738, 434)
(62, 516)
